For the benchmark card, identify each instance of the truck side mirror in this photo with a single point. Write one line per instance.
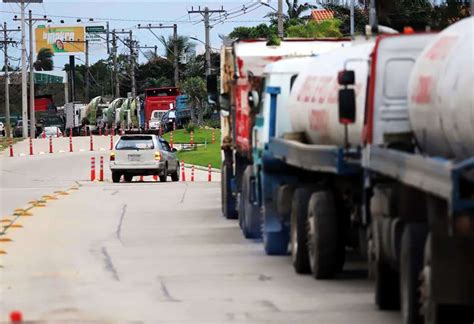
(224, 102)
(347, 106)
(254, 100)
(346, 77)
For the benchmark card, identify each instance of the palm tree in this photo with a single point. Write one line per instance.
(294, 11)
(44, 60)
(195, 88)
(185, 46)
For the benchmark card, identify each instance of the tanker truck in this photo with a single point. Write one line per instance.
(242, 64)
(418, 157)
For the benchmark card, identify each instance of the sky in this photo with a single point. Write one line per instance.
(127, 15)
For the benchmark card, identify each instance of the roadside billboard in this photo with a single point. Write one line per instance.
(56, 39)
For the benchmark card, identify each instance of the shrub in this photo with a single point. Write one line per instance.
(190, 127)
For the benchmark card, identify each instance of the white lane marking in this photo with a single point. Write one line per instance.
(41, 153)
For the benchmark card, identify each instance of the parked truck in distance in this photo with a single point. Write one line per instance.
(159, 100)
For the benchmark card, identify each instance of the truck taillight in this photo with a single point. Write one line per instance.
(112, 156)
(158, 156)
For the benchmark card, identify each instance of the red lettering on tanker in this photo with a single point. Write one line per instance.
(319, 121)
(422, 94)
(441, 48)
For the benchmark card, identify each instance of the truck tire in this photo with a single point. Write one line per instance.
(251, 222)
(387, 283)
(241, 210)
(429, 308)
(128, 177)
(323, 235)
(228, 200)
(411, 264)
(276, 243)
(116, 176)
(164, 176)
(175, 174)
(298, 235)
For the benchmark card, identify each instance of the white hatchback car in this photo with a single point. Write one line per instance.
(142, 155)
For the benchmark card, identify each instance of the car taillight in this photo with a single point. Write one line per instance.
(112, 156)
(158, 156)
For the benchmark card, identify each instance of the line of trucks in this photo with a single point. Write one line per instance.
(160, 107)
(366, 144)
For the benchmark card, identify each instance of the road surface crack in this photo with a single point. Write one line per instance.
(118, 232)
(184, 193)
(109, 266)
(166, 292)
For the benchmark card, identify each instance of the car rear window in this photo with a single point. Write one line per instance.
(135, 143)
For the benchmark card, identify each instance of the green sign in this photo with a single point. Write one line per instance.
(41, 78)
(95, 29)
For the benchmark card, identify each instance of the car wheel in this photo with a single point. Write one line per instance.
(116, 176)
(128, 177)
(164, 175)
(175, 175)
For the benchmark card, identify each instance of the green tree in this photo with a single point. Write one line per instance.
(342, 13)
(44, 60)
(313, 29)
(195, 88)
(185, 47)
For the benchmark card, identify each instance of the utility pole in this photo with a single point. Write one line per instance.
(115, 50)
(132, 64)
(352, 19)
(175, 46)
(372, 15)
(31, 22)
(114, 53)
(24, 88)
(86, 42)
(206, 13)
(5, 41)
(281, 32)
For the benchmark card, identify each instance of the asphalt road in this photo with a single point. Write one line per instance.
(150, 252)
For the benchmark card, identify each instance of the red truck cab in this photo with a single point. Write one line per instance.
(161, 99)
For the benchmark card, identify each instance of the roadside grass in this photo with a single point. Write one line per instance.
(4, 142)
(201, 135)
(203, 155)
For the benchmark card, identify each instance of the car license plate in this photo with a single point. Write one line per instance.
(134, 157)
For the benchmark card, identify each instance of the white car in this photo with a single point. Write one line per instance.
(2, 129)
(142, 155)
(51, 131)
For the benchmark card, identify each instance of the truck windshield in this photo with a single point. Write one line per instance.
(135, 143)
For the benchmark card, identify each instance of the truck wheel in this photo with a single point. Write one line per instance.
(251, 223)
(323, 235)
(228, 200)
(164, 176)
(128, 177)
(241, 211)
(387, 291)
(299, 241)
(276, 243)
(116, 176)
(411, 264)
(175, 175)
(429, 308)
